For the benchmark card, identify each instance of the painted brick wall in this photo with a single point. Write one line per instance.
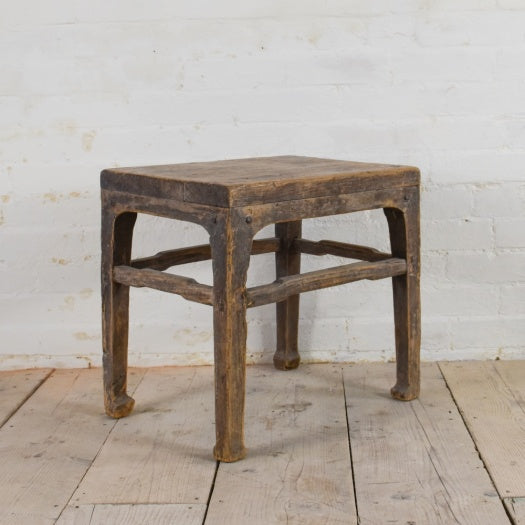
(435, 83)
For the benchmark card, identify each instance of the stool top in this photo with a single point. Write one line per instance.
(242, 182)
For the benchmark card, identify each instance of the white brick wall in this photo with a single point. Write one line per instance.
(88, 85)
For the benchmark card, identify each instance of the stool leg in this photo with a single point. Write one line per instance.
(117, 233)
(405, 242)
(287, 262)
(231, 246)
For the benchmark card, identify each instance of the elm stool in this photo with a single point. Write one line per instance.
(233, 200)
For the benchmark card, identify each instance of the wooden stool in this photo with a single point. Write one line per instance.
(233, 200)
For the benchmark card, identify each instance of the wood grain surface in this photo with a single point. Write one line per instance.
(250, 181)
(49, 444)
(411, 462)
(291, 285)
(16, 386)
(160, 454)
(298, 469)
(491, 397)
(414, 462)
(133, 515)
(516, 510)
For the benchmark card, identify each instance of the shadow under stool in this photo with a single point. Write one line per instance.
(233, 200)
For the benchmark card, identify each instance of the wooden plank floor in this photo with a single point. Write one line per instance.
(326, 445)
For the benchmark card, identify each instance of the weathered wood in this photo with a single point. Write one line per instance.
(403, 225)
(167, 259)
(340, 249)
(240, 182)
(231, 247)
(306, 282)
(512, 372)
(161, 453)
(233, 200)
(298, 470)
(296, 449)
(262, 214)
(285, 286)
(49, 443)
(414, 462)
(16, 387)
(133, 514)
(287, 262)
(117, 235)
(265, 214)
(491, 397)
(123, 201)
(185, 286)
(516, 509)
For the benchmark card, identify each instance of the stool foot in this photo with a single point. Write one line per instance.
(286, 363)
(404, 392)
(229, 456)
(120, 406)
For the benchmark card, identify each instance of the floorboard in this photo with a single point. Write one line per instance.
(298, 466)
(414, 462)
(455, 456)
(133, 515)
(49, 443)
(516, 510)
(16, 386)
(490, 396)
(162, 452)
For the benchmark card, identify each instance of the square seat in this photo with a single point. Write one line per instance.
(233, 200)
(243, 182)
